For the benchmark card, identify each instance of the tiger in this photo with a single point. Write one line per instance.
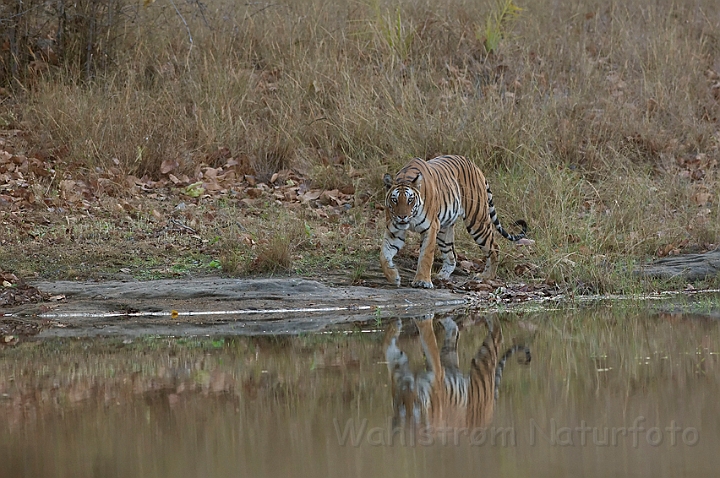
(429, 197)
(442, 396)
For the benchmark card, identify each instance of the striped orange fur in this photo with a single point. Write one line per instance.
(429, 197)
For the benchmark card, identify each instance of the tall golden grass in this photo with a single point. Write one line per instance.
(597, 121)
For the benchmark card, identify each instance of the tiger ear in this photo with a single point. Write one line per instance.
(388, 181)
(418, 181)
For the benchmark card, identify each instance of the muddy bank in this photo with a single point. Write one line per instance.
(218, 306)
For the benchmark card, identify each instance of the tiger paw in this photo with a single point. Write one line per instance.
(444, 275)
(391, 273)
(422, 284)
(485, 276)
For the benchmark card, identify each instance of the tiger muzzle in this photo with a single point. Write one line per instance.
(402, 222)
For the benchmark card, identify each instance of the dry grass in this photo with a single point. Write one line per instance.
(595, 121)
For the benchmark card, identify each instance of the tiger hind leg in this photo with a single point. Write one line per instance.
(446, 244)
(491, 263)
(448, 353)
(486, 240)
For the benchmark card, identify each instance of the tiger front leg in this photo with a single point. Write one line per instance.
(425, 260)
(428, 341)
(396, 359)
(393, 241)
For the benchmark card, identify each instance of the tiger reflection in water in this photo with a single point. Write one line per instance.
(442, 395)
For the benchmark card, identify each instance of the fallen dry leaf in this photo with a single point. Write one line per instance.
(168, 165)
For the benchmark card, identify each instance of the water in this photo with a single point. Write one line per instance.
(610, 391)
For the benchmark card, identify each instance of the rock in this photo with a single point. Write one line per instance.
(222, 306)
(690, 267)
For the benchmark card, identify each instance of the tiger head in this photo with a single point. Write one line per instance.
(403, 200)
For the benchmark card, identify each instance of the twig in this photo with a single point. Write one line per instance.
(260, 10)
(201, 8)
(184, 23)
(183, 226)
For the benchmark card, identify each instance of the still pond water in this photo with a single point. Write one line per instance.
(626, 390)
